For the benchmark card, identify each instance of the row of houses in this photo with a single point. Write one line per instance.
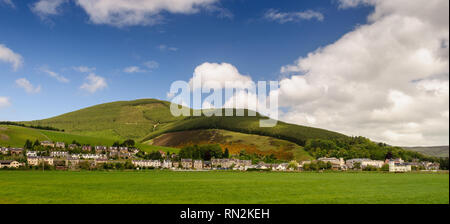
(10, 164)
(395, 165)
(13, 151)
(193, 164)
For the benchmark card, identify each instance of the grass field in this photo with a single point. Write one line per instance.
(161, 187)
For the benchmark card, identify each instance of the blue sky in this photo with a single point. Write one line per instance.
(374, 68)
(256, 46)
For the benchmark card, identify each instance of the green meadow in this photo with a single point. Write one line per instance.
(161, 187)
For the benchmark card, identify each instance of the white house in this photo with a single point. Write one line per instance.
(399, 167)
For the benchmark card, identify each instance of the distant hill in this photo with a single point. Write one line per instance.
(436, 151)
(146, 119)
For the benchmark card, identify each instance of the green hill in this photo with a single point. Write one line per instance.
(437, 151)
(14, 136)
(146, 119)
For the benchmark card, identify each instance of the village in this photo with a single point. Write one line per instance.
(58, 156)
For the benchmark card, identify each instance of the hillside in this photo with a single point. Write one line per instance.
(13, 136)
(437, 151)
(146, 119)
(234, 142)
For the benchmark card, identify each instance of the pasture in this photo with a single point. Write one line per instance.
(166, 187)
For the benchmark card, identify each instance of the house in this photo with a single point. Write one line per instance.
(36, 160)
(100, 148)
(46, 159)
(126, 155)
(86, 148)
(175, 165)
(100, 161)
(59, 154)
(399, 167)
(146, 163)
(61, 145)
(16, 151)
(93, 156)
(280, 167)
(207, 165)
(167, 164)
(198, 164)
(48, 144)
(9, 164)
(72, 162)
(112, 148)
(73, 146)
(31, 153)
(33, 160)
(186, 163)
(4, 151)
(123, 149)
(364, 163)
(335, 162)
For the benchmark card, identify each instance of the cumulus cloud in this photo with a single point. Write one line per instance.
(4, 102)
(284, 17)
(9, 56)
(214, 75)
(55, 75)
(45, 8)
(27, 86)
(94, 83)
(138, 12)
(387, 79)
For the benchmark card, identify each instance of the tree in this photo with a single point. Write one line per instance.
(128, 143)
(357, 165)
(36, 143)
(385, 168)
(226, 154)
(28, 144)
(293, 165)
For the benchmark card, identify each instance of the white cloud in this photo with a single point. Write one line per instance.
(4, 102)
(164, 47)
(55, 75)
(387, 80)
(94, 83)
(138, 12)
(27, 86)
(8, 2)
(44, 8)
(133, 69)
(284, 17)
(9, 56)
(219, 74)
(84, 69)
(150, 65)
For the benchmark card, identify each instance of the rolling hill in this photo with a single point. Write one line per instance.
(146, 119)
(14, 136)
(150, 123)
(437, 151)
